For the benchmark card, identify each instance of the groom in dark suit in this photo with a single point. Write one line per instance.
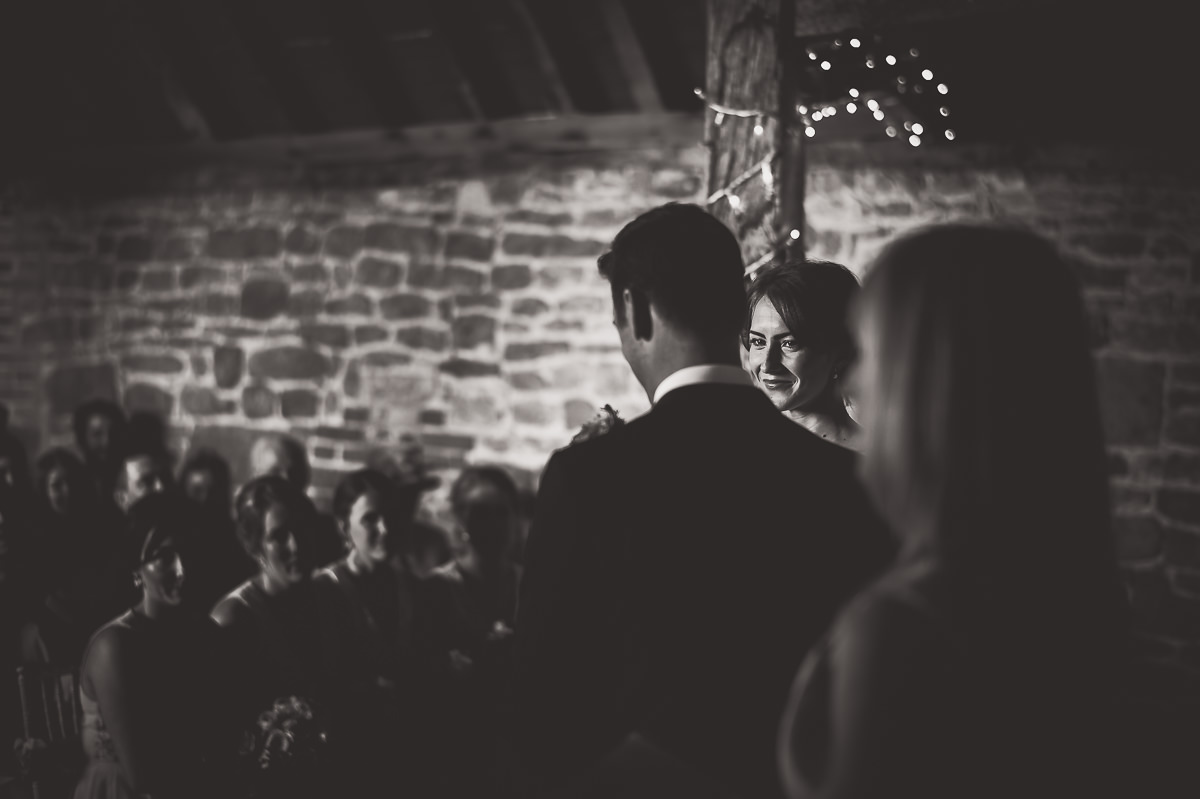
(679, 567)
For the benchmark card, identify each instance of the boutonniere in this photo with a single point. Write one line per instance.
(608, 419)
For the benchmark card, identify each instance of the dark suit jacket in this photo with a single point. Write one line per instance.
(678, 569)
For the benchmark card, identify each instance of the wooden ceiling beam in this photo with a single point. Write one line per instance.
(630, 57)
(545, 59)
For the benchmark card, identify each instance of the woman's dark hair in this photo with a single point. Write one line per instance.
(812, 297)
(255, 500)
(154, 519)
(66, 460)
(208, 460)
(485, 501)
(472, 478)
(356, 484)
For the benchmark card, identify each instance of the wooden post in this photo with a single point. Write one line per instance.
(749, 43)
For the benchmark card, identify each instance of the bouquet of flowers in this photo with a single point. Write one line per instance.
(608, 419)
(286, 745)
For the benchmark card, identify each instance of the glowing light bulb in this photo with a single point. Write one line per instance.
(758, 129)
(908, 126)
(918, 88)
(891, 59)
(801, 109)
(795, 234)
(735, 201)
(826, 65)
(901, 80)
(913, 52)
(812, 56)
(918, 128)
(890, 131)
(878, 115)
(927, 74)
(719, 118)
(943, 88)
(870, 63)
(949, 134)
(854, 92)
(817, 116)
(873, 104)
(809, 131)
(837, 42)
(914, 140)
(851, 108)
(830, 111)
(768, 176)
(855, 43)
(944, 111)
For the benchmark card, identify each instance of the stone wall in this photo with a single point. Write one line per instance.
(353, 305)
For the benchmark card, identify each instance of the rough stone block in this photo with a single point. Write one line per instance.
(244, 243)
(675, 184)
(469, 247)
(553, 246)
(127, 279)
(298, 403)
(258, 401)
(303, 304)
(1110, 244)
(158, 280)
(135, 249)
(1131, 396)
(579, 412)
(532, 350)
(477, 300)
(369, 334)
(534, 412)
(302, 241)
(433, 417)
(70, 385)
(309, 273)
(1181, 548)
(228, 363)
(511, 276)
(264, 299)
(1169, 245)
(154, 364)
(557, 275)
(473, 331)
(428, 275)
(354, 305)
(352, 382)
(529, 306)
(358, 415)
(289, 363)
(329, 335)
(199, 401)
(525, 216)
(528, 381)
(419, 241)
(199, 365)
(595, 306)
(378, 272)
(405, 306)
(57, 330)
(339, 433)
(145, 397)
(423, 338)
(217, 304)
(193, 276)
(386, 360)
(1183, 467)
(344, 241)
(1180, 505)
(460, 367)
(1183, 428)
(448, 441)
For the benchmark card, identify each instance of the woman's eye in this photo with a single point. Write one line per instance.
(757, 343)
(790, 344)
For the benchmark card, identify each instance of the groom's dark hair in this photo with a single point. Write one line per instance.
(686, 262)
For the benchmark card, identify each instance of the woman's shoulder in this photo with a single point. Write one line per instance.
(236, 605)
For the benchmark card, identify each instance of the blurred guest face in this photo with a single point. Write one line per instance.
(793, 375)
(58, 491)
(198, 486)
(8, 474)
(142, 477)
(273, 460)
(368, 530)
(162, 575)
(284, 557)
(98, 438)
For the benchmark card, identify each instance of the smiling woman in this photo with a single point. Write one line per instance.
(797, 345)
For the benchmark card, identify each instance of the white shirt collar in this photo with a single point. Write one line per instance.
(704, 373)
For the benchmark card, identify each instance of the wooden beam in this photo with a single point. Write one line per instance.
(365, 52)
(630, 57)
(469, 144)
(744, 73)
(545, 60)
(823, 17)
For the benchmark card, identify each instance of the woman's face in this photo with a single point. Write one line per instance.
(367, 529)
(198, 486)
(285, 547)
(162, 575)
(98, 438)
(58, 491)
(793, 375)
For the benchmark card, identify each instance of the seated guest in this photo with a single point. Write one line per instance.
(284, 638)
(427, 546)
(220, 562)
(100, 437)
(139, 474)
(797, 345)
(148, 682)
(983, 663)
(284, 456)
(375, 593)
(469, 606)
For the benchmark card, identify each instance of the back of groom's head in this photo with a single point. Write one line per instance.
(686, 263)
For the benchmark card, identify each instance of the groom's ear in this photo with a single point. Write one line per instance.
(637, 305)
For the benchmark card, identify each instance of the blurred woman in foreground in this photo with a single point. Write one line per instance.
(984, 663)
